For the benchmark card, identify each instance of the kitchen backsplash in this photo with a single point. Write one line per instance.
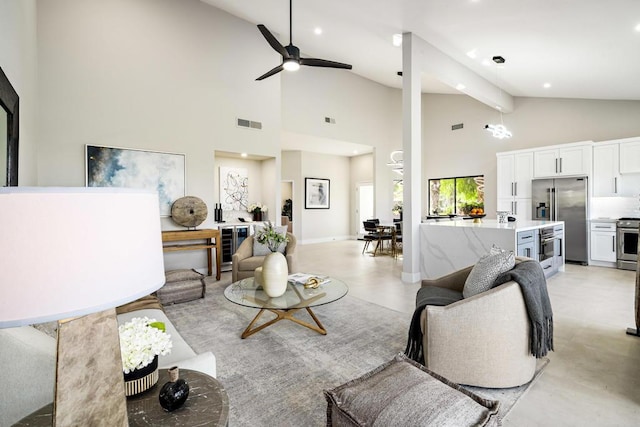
(615, 207)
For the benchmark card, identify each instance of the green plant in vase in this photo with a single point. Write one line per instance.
(268, 235)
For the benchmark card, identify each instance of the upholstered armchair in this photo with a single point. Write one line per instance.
(244, 263)
(482, 340)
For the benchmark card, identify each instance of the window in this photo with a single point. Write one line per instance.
(457, 195)
(397, 197)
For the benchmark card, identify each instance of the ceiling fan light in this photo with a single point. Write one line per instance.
(291, 65)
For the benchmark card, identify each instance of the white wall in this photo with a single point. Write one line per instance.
(319, 225)
(292, 171)
(535, 122)
(18, 59)
(259, 175)
(365, 112)
(163, 75)
(151, 74)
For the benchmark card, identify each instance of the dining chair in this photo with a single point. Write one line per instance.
(379, 234)
(372, 234)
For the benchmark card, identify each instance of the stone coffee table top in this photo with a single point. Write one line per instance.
(207, 405)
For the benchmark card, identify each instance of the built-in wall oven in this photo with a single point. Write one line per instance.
(627, 250)
(550, 249)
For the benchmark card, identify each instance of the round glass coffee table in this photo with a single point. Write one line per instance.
(246, 293)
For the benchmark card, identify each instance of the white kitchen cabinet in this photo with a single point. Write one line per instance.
(630, 156)
(519, 208)
(603, 242)
(606, 176)
(568, 160)
(515, 172)
(514, 175)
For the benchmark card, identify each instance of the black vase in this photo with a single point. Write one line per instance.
(142, 379)
(175, 392)
(139, 373)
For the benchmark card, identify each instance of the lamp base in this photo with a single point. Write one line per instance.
(89, 380)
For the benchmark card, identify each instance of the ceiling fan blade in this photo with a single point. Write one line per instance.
(314, 62)
(273, 41)
(270, 73)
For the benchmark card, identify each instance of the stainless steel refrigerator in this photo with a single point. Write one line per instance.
(564, 199)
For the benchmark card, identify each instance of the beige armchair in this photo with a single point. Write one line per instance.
(244, 263)
(482, 340)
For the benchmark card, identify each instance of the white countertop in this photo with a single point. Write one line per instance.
(493, 224)
(606, 220)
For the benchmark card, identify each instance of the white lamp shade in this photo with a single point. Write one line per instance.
(67, 252)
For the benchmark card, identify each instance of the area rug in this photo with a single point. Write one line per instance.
(276, 376)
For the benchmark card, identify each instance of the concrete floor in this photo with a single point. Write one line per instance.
(594, 375)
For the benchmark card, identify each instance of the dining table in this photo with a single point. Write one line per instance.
(385, 229)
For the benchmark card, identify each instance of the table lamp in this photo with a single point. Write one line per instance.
(73, 255)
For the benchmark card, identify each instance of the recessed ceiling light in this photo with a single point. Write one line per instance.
(486, 62)
(355, 151)
(460, 86)
(243, 155)
(397, 40)
(473, 54)
(637, 28)
(499, 108)
(546, 85)
(317, 31)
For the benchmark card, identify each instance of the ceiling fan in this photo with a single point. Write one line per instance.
(291, 60)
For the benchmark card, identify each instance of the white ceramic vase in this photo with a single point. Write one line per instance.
(274, 274)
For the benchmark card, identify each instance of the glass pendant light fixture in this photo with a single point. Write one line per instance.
(396, 164)
(499, 130)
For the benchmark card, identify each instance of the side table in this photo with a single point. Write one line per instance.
(207, 405)
(210, 236)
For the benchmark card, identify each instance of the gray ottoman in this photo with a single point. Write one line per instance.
(181, 286)
(404, 393)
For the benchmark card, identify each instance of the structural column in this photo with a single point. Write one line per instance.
(412, 157)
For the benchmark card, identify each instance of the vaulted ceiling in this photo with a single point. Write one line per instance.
(581, 48)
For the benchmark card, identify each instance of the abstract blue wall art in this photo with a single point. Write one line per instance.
(123, 167)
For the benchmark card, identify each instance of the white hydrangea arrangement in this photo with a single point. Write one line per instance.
(256, 207)
(142, 339)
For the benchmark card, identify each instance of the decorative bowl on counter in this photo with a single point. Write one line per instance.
(477, 219)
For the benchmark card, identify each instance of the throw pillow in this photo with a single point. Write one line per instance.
(260, 249)
(486, 270)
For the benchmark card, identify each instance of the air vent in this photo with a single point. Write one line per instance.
(330, 120)
(244, 123)
(458, 126)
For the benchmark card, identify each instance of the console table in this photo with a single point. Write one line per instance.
(207, 405)
(211, 239)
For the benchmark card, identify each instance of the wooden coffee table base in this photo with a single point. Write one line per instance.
(284, 314)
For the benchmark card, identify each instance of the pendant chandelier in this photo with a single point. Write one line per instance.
(499, 131)
(396, 164)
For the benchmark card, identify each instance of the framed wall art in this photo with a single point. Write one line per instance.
(131, 168)
(234, 188)
(316, 193)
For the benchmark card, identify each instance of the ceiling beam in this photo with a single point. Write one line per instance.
(433, 61)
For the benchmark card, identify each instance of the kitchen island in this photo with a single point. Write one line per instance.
(449, 246)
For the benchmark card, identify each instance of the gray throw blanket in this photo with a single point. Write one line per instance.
(530, 276)
(428, 295)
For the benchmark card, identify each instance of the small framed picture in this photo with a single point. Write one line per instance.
(316, 193)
